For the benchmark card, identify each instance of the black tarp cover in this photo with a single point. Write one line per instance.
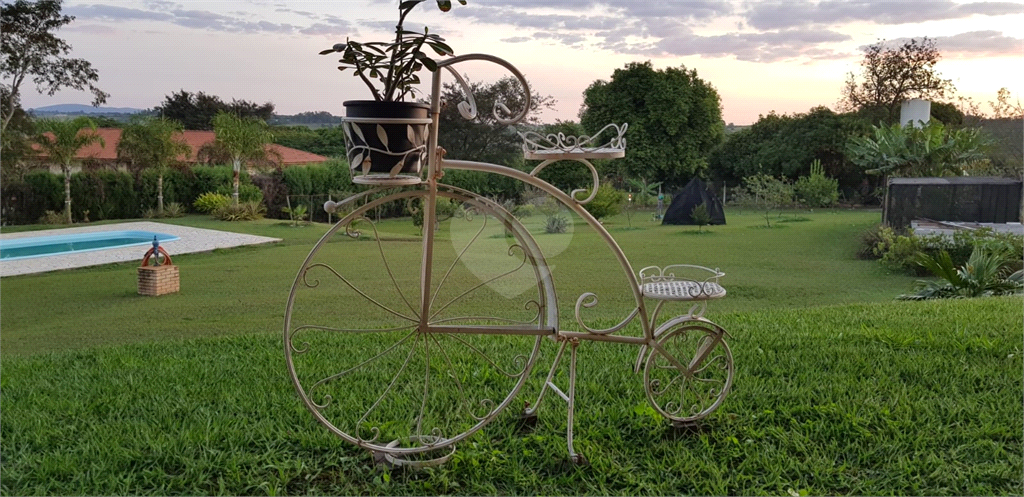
(693, 194)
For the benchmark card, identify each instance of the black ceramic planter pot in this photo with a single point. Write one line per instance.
(386, 138)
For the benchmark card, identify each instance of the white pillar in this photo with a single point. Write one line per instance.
(917, 112)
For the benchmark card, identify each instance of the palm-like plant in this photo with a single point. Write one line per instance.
(243, 138)
(61, 140)
(908, 151)
(151, 142)
(644, 191)
(985, 273)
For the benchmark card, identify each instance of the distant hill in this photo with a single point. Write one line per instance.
(83, 109)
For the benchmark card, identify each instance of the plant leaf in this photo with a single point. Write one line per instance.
(383, 135)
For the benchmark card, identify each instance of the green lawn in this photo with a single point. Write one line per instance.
(838, 390)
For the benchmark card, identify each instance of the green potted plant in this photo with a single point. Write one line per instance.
(386, 137)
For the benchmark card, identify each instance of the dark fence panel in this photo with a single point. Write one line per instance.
(959, 199)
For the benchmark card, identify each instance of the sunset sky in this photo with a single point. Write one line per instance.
(761, 56)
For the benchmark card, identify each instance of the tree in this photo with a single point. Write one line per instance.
(61, 140)
(910, 151)
(484, 138)
(675, 120)
(769, 193)
(30, 50)
(244, 138)
(892, 75)
(786, 145)
(195, 111)
(153, 142)
(1004, 108)
(15, 142)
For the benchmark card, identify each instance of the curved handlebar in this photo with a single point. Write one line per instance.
(467, 108)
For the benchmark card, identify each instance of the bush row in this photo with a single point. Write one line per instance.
(104, 194)
(901, 251)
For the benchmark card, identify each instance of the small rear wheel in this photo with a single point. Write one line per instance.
(689, 372)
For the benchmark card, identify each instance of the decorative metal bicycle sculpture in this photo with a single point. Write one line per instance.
(378, 348)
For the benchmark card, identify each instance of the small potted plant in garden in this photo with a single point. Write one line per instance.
(386, 137)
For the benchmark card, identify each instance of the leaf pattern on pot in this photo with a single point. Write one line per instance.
(356, 161)
(383, 135)
(398, 167)
(366, 166)
(358, 132)
(410, 133)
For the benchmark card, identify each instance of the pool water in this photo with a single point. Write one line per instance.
(42, 246)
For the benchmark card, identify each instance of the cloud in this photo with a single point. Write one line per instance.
(980, 43)
(237, 22)
(789, 14)
(751, 47)
(972, 44)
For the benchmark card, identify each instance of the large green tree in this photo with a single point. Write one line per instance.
(244, 138)
(195, 111)
(153, 142)
(61, 140)
(890, 75)
(15, 143)
(786, 145)
(675, 120)
(29, 49)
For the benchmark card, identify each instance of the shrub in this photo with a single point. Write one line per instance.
(446, 208)
(212, 178)
(298, 181)
(177, 187)
(986, 272)
(104, 195)
(244, 211)
(556, 224)
(174, 209)
(246, 193)
(607, 202)
(901, 251)
(817, 190)
(275, 193)
(51, 217)
(210, 202)
(769, 193)
(25, 201)
(700, 215)
(297, 213)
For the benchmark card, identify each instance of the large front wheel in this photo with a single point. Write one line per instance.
(377, 370)
(689, 372)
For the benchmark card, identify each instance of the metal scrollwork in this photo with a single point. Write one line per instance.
(501, 112)
(534, 143)
(589, 300)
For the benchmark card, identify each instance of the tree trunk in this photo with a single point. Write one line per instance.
(160, 194)
(67, 193)
(234, 196)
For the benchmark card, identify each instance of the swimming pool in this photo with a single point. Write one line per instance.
(43, 246)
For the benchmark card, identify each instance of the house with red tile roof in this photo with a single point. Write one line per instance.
(106, 153)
